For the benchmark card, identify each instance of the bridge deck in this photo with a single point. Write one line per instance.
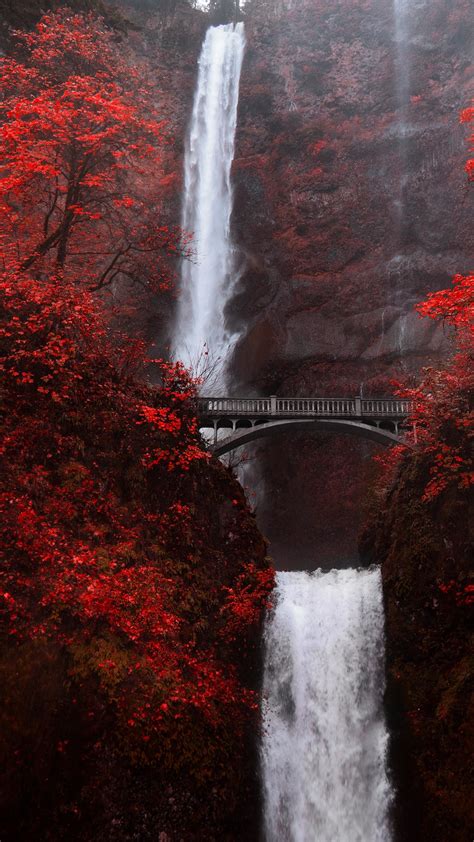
(212, 409)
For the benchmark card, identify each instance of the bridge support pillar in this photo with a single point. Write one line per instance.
(358, 407)
(273, 404)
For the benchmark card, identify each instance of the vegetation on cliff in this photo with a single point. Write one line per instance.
(443, 414)
(133, 576)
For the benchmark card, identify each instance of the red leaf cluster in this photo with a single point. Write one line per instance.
(467, 116)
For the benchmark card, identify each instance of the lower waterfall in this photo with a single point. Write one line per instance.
(325, 741)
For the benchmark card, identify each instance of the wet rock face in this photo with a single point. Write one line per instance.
(425, 551)
(350, 204)
(328, 181)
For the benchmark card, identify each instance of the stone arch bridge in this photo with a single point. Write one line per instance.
(383, 420)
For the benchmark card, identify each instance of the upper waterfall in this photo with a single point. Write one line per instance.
(207, 279)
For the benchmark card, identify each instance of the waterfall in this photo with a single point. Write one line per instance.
(207, 279)
(325, 741)
(402, 90)
(324, 745)
(402, 79)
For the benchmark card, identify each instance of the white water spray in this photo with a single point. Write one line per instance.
(325, 740)
(402, 91)
(402, 88)
(402, 78)
(208, 279)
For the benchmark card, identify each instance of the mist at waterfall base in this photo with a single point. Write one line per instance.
(202, 339)
(325, 741)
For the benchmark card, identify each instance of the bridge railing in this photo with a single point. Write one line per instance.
(234, 406)
(315, 406)
(386, 406)
(274, 406)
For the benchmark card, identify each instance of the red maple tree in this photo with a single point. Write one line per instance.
(82, 144)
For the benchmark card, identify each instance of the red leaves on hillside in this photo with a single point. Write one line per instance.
(88, 508)
(444, 413)
(99, 470)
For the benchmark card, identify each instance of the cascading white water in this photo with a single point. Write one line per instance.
(325, 741)
(402, 90)
(208, 279)
(402, 70)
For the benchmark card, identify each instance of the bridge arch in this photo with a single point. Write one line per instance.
(360, 429)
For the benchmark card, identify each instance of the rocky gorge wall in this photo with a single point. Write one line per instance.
(343, 213)
(350, 204)
(425, 552)
(345, 219)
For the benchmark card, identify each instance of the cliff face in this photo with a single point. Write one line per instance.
(425, 551)
(350, 204)
(343, 188)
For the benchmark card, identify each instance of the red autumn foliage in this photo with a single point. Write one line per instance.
(78, 556)
(82, 143)
(443, 415)
(463, 595)
(246, 600)
(443, 402)
(455, 306)
(104, 544)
